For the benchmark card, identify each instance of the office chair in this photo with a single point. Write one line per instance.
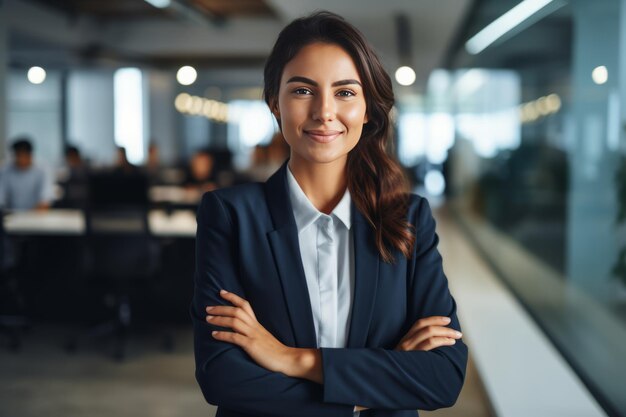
(121, 257)
(12, 319)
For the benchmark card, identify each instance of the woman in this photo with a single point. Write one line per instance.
(337, 301)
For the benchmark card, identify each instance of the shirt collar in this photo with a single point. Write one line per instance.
(305, 212)
(342, 209)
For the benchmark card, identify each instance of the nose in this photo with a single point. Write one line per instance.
(324, 109)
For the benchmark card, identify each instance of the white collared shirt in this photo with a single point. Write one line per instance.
(331, 302)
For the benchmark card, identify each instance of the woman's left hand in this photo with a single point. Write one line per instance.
(248, 333)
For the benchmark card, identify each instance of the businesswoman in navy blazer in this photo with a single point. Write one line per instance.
(321, 291)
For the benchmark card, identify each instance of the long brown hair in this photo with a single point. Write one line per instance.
(375, 180)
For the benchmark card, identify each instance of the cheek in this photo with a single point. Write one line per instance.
(293, 114)
(354, 117)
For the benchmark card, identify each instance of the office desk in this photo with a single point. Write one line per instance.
(174, 194)
(70, 222)
(180, 223)
(51, 263)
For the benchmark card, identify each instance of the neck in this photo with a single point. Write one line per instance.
(323, 184)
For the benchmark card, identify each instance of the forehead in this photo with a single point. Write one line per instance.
(320, 61)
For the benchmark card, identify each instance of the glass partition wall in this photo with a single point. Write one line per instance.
(538, 174)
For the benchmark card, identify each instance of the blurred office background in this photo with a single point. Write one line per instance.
(510, 118)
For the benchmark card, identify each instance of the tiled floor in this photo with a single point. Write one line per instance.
(44, 380)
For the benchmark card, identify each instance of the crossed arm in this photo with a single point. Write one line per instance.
(247, 333)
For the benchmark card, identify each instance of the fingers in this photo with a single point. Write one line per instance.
(422, 336)
(429, 321)
(435, 342)
(424, 323)
(238, 317)
(238, 301)
(230, 337)
(234, 323)
(229, 311)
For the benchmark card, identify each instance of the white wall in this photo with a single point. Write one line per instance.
(34, 110)
(90, 114)
(162, 116)
(196, 134)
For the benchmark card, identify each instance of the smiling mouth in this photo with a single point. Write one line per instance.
(323, 136)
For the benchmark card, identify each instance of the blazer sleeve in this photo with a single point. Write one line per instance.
(227, 376)
(389, 379)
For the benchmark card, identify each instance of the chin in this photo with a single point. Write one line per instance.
(324, 157)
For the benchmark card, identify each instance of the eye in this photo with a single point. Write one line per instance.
(302, 91)
(346, 93)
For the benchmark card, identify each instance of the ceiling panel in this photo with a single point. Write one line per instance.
(218, 31)
(235, 8)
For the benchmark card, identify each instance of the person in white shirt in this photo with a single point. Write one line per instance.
(321, 291)
(24, 185)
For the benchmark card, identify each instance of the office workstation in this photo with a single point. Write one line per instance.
(71, 222)
(136, 139)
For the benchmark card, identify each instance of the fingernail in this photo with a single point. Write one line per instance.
(458, 334)
(223, 292)
(209, 317)
(213, 333)
(209, 309)
(446, 320)
(453, 342)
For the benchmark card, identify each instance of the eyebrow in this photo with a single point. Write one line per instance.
(299, 79)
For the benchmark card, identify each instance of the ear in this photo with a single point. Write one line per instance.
(366, 119)
(274, 109)
(276, 112)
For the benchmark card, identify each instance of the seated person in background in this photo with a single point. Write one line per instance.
(153, 168)
(122, 165)
(266, 159)
(74, 180)
(200, 173)
(74, 162)
(23, 185)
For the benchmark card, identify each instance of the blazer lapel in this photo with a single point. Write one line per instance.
(286, 250)
(366, 273)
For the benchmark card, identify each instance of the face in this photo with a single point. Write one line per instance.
(121, 157)
(23, 159)
(321, 105)
(72, 159)
(201, 166)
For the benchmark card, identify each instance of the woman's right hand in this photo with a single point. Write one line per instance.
(429, 333)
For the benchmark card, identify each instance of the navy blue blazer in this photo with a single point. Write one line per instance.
(247, 243)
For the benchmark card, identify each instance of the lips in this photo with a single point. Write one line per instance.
(323, 136)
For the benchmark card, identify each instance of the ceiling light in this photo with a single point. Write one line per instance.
(161, 4)
(505, 23)
(405, 75)
(600, 75)
(36, 75)
(542, 106)
(554, 103)
(186, 75)
(183, 102)
(532, 113)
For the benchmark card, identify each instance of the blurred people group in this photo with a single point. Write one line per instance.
(27, 185)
